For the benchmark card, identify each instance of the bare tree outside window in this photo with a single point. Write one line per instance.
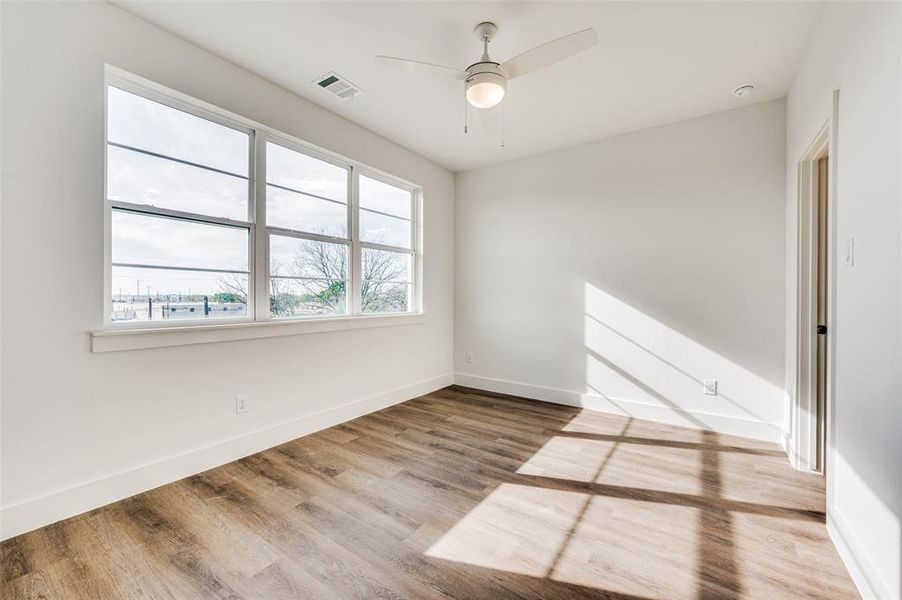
(384, 283)
(314, 282)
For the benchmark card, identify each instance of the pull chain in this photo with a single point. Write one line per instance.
(466, 111)
(502, 124)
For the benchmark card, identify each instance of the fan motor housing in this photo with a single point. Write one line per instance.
(479, 68)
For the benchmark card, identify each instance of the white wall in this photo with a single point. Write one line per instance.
(855, 48)
(622, 273)
(82, 429)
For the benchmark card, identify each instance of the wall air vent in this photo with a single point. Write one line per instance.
(338, 85)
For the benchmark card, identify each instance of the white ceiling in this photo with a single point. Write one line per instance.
(655, 63)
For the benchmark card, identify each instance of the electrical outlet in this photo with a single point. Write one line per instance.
(711, 387)
(469, 358)
(240, 404)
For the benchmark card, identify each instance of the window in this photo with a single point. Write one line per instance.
(386, 231)
(213, 218)
(309, 239)
(179, 192)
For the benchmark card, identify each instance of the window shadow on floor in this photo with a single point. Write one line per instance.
(715, 569)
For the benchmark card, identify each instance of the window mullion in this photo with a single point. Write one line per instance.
(383, 247)
(176, 215)
(261, 237)
(306, 235)
(354, 231)
(416, 245)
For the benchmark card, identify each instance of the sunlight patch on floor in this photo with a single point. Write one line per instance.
(516, 528)
(642, 466)
(606, 423)
(617, 540)
(594, 541)
(593, 421)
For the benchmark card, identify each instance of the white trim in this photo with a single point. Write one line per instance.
(384, 248)
(106, 267)
(356, 263)
(760, 430)
(177, 335)
(260, 272)
(804, 411)
(419, 246)
(864, 574)
(44, 510)
(833, 229)
(801, 439)
(303, 235)
(147, 210)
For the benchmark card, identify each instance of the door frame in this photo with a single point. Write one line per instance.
(804, 414)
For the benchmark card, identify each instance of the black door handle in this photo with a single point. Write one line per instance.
(822, 330)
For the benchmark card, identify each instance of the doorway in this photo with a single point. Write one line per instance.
(810, 411)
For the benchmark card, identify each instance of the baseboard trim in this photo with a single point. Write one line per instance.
(722, 424)
(866, 578)
(37, 512)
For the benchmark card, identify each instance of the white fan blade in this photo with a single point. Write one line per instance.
(415, 66)
(549, 53)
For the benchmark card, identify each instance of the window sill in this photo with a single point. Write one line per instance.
(114, 340)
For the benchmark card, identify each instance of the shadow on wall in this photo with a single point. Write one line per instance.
(638, 366)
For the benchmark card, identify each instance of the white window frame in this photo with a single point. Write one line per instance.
(263, 312)
(415, 300)
(194, 109)
(258, 305)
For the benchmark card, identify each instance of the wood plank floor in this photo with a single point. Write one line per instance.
(458, 494)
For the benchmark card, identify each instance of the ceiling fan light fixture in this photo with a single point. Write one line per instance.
(485, 81)
(486, 90)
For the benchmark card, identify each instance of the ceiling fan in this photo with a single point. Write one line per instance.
(486, 80)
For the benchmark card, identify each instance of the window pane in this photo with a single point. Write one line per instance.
(172, 295)
(303, 173)
(382, 266)
(380, 229)
(305, 213)
(386, 285)
(386, 297)
(142, 123)
(292, 257)
(148, 240)
(144, 179)
(307, 297)
(385, 198)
